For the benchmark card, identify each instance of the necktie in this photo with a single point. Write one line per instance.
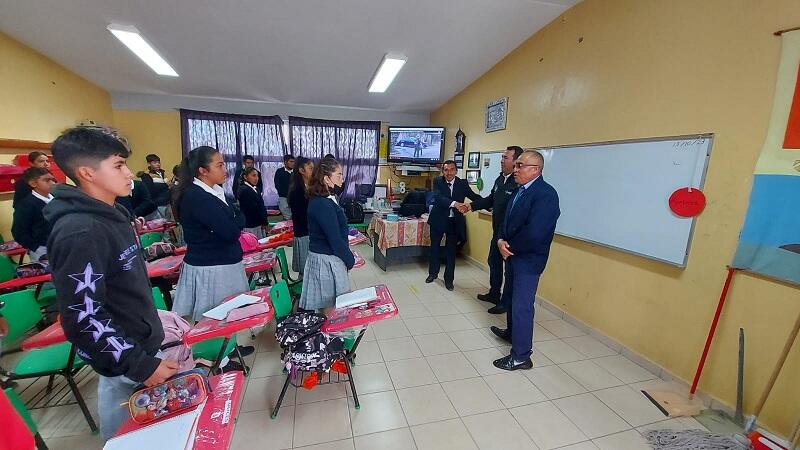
(519, 194)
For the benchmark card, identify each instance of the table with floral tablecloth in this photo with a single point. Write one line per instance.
(398, 240)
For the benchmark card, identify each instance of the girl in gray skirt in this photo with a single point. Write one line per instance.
(329, 256)
(298, 202)
(212, 268)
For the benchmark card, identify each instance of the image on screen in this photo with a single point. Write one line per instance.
(416, 144)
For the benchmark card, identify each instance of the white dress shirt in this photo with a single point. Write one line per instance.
(215, 190)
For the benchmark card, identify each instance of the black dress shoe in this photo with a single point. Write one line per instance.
(430, 279)
(491, 298)
(501, 333)
(449, 286)
(246, 349)
(508, 363)
(497, 309)
(234, 366)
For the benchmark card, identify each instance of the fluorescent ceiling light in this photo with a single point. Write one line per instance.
(388, 69)
(132, 39)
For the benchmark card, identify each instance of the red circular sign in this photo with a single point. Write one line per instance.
(687, 202)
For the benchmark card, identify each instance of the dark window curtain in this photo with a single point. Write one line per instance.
(236, 135)
(354, 144)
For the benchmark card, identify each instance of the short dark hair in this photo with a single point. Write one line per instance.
(247, 171)
(449, 161)
(287, 158)
(33, 173)
(152, 157)
(248, 158)
(87, 146)
(33, 156)
(517, 150)
(329, 155)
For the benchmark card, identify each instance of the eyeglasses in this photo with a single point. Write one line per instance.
(521, 165)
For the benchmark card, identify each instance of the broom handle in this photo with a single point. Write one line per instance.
(795, 436)
(711, 331)
(778, 366)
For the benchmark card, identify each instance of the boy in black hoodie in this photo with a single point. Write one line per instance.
(101, 280)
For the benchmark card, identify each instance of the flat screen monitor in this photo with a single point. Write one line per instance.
(416, 145)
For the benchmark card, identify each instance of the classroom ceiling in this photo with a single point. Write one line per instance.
(315, 52)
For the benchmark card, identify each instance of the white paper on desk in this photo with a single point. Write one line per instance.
(221, 311)
(263, 240)
(356, 298)
(351, 238)
(173, 433)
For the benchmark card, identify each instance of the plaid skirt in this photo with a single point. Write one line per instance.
(299, 254)
(325, 277)
(201, 288)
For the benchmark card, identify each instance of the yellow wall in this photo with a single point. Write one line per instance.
(151, 132)
(40, 99)
(652, 68)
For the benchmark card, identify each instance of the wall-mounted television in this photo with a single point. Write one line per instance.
(416, 145)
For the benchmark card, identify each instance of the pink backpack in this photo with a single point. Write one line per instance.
(248, 241)
(173, 347)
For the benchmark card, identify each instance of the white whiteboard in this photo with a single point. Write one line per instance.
(616, 193)
(491, 172)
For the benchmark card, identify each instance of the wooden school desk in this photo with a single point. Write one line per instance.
(217, 420)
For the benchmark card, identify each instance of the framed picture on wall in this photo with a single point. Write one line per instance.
(472, 176)
(474, 160)
(459, 159)
(496, 112)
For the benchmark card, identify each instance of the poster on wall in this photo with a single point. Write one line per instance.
(769, 243)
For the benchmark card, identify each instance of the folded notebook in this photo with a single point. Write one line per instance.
(356, 298)
(221, 311)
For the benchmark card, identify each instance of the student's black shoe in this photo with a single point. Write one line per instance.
(233, 365)
(490, 297)
(449, 286)
(508, 363)
(430, 279)
(497, 309)
(246, 349)
(501, 333)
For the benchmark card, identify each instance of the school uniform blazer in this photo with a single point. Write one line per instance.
(530, 224)
(252, 206)
(442, 199)
(497, 201)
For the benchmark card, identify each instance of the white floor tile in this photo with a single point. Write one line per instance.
(498, 430)
(425, 404)
(561, 328)
(454, 322)
(624, 369)
(471, 396)
(414, 311)
(628, 440)
(368, 353)
(547, 425)
(631, 405)
(435, 344)
(554, 382)
(514, 389)
(543, 315)
(371, 378)
(262, 394)
(558, 351)
(399, 348)
(451, 366)
(346, 444)
(590, 415)
(380, 411)
(589, 346)
(410, 373)
(256, 430)
(267, 364)
(467, 340)
(322, 392)
(423, 325)
(590, 375)
(482, 360)
(390, 329)
(586, 445)
(445, 435)
(400, 439)
(320, 422)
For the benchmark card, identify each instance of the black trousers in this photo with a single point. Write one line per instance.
(450, 248)
(495, 261)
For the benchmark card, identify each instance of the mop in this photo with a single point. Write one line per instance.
(695, 440)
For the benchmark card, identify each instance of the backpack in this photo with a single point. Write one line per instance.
(172, 347)
(158, 250)
(305, 346)
(248, 241)
(353, 211)
(33, 269)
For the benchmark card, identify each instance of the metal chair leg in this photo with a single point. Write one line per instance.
(40, 444)
(352, 381)
(245, 369)
(77, 393)
(280, 397)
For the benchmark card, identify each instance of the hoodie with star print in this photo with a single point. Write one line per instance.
(104, 294)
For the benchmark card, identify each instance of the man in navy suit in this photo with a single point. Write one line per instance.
(524, 243)
(447, 219)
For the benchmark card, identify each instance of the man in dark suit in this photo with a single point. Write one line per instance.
(447, 219)
(524, 243)
(497, 202)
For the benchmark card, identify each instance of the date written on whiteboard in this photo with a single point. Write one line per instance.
(688, 144)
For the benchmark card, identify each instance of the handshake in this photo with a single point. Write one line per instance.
(463, 208)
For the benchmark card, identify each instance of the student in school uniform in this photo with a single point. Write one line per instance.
(247, 162)
(282, 177)
(329, 255)
(101, 281)
(29, 227)
(22, 190)
(139, 203)
(212, 268)
(156, 182)
(252, 204)
(298, 203)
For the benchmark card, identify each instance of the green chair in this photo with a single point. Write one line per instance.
(8, 268)
(150, 238)
(158, 299)
(23, 412)
(22, 313)
(295, 286)
(281, 299)
(209, 349)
